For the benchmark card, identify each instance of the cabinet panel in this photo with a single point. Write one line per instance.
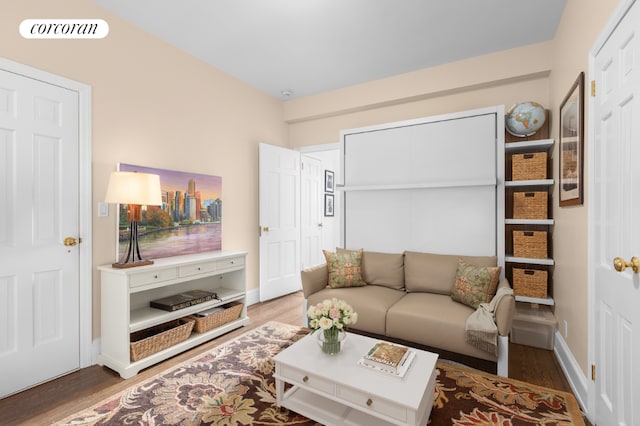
(153, 276)
(196, 268)
(416, 152)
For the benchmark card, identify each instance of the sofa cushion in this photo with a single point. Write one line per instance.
(433, 320)
(345, 269)
(383, 269)
(436, 273)
(370, 302)
(475, 284)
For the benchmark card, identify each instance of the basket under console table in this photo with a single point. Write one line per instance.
(126, 293)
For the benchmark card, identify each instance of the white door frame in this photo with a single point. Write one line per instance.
(85, 201)
(606, 32)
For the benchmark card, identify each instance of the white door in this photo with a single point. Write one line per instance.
(312, 211)
(615, 224)
(39, 275)
(279, 221)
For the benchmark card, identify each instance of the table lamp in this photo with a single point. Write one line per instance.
(135, 190)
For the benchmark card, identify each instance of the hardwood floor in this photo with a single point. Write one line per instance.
(64, 396)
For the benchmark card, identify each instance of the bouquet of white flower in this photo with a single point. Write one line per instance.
(332, 316)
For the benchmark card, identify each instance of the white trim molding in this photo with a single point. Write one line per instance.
(572, 371)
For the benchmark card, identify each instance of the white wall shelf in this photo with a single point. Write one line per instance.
(547, 301)
(541, 145)
(528, 222)
(529, 260)
(546, 225)
(126, 294)
(539, 182)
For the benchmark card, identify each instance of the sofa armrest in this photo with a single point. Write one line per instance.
(314, 279)
(504, 311)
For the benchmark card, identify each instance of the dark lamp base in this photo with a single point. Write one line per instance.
(132, 264)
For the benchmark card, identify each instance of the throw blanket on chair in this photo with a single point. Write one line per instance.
(481, 330)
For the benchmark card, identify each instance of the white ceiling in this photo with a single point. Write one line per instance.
(313, 46)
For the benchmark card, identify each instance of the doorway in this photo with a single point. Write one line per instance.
(614, 207)
(45, 240)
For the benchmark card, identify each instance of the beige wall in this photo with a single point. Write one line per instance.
(156, 106)
(543, 72)
(581, 24)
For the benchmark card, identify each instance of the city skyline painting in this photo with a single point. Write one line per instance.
(188, 221)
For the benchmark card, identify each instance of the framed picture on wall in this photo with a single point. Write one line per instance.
(328, 204)
(572, 145)
(329, 183)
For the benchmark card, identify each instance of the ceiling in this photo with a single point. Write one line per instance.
(307, 47)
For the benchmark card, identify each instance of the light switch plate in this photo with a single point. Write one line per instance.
(103, 209)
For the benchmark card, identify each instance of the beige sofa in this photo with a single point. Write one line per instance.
(407, 298)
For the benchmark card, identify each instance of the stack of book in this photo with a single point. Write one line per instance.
(389, 358)
(183, 300)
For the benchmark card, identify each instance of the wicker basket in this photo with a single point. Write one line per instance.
(154, 339)
(532, 244)
(530, 283)
(530, 205)
(230, 313)
(529, 166)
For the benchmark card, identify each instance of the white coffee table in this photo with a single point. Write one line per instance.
(335, 390)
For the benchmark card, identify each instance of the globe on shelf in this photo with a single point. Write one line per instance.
(524, 119)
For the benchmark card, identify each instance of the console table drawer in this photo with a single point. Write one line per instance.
(197, 268)
(368, 402)
(150, 277)
(308, 380)
(229, 263)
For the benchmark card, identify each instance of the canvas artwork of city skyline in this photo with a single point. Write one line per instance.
(188, 221)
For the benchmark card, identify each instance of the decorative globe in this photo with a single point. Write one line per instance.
(524, 119)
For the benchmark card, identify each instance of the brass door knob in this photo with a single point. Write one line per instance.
(70, 242)
(620, 264)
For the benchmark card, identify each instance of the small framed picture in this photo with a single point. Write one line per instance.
(572, 145)
(329, 184)
(328, 204)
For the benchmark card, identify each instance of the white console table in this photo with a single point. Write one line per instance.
(126, 293)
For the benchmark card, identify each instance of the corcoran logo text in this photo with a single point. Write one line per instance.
(64, 28)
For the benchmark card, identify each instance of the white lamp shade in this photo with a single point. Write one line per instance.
(134, 188)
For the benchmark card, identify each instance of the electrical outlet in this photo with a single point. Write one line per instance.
(566, 329)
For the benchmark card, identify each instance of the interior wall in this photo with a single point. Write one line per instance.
(156, 106)
(579, 27)
(330, 224)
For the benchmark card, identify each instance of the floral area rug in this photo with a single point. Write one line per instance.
(233, 385)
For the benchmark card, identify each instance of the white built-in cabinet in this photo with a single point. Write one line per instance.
(126, 293)
(433, 184)
(546, 225)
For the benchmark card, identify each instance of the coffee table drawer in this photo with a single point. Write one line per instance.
(368, 402)
(307, 380)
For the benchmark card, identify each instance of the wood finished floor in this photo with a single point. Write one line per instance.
(59, 398)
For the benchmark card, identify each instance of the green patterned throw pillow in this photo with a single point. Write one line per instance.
(345, 269)
(475, 284)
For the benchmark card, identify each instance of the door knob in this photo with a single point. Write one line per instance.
(320, 225)
(621, 265)
(265, 229)
(70, 241)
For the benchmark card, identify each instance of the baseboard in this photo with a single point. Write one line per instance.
(253, 296)
(96, 348)
(576, 378)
